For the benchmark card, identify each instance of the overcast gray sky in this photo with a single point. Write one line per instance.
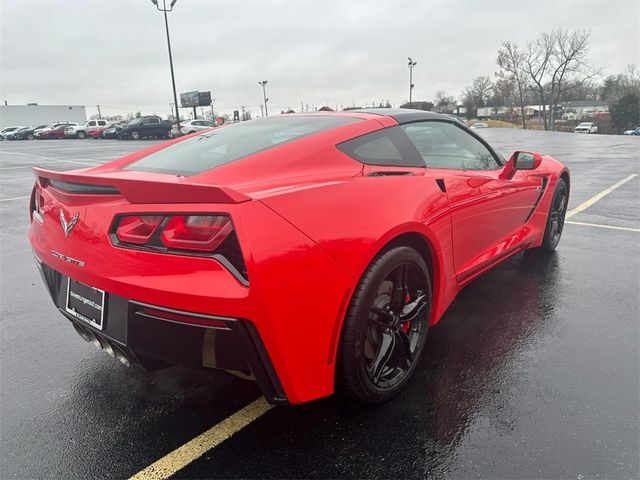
(113, 52)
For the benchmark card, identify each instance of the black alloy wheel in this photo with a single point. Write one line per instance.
(386, 327)
(558, 212)
(556, 217)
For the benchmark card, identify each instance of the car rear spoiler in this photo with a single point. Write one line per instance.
(137, 187)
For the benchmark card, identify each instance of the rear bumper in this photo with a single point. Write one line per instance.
(134, 332)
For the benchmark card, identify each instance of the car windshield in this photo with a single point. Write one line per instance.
(226, 144)
(135, 121)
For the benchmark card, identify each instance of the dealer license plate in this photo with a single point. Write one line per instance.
(85, 303)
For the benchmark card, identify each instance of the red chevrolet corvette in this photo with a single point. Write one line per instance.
(310, 252)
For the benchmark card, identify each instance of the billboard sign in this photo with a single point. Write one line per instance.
(195, 99)
(204, 99)
(189, 99)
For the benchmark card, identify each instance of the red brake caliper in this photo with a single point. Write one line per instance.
(406, 326)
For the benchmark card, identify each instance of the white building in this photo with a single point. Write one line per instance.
(34, 114)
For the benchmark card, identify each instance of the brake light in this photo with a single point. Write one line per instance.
(138, 229)
(196, 232)
(198, 235)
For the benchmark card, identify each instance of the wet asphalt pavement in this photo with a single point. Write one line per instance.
(534, 371)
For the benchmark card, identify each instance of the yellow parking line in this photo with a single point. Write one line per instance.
(612, 227)
(193, 449)
(595, 198)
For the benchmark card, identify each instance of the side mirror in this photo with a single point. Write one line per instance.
(526, 160)
(521, 161)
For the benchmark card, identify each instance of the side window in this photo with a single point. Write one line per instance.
(153, 121)
(101, 123)
(445, 145)
(91, 124)
(387, 147)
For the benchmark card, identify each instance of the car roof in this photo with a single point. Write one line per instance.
(404, 115)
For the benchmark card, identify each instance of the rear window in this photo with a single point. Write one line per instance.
(226, 144)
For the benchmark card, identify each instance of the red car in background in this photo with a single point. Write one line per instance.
(96, 132)
(311, 252)
(55, 130)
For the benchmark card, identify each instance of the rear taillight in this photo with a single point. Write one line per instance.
(199, 235)
(203, 233)
(138, 229)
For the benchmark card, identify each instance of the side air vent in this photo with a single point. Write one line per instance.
(82, 188)
(441, 184)
(388, 173)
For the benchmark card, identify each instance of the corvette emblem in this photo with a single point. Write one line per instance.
(68, 226)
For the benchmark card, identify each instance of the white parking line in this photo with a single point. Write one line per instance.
(11, 199)
(598, 225)
(193, 449)
(583, 206)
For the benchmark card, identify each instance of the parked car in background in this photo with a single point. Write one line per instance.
(479, 125)
(191, 126)
(112, 130)
(147, 126)
(634, 131)
(80, 131)
(18, 133)
(586, 127)
(98, 131)
(24, 133)
(55, 130)
(39, 128)
(6, 131)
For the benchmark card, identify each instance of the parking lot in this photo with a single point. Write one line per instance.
(533, 372)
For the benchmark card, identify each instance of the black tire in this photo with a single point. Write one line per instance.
(81, 134)
(29, 136)
(555, 219)
(365, 370)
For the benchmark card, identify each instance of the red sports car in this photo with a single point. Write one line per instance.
(55, 130)
(310, 252)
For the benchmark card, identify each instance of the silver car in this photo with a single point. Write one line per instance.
(191, 126)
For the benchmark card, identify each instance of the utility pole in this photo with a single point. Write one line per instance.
(99, 114)
(166, 26)
(264, 96)
(261, 110)
(411, 85)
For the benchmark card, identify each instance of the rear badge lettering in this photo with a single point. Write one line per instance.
(79, 263)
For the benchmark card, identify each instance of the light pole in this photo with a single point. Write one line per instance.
(165, 10)
(411, 85)
(264, 96)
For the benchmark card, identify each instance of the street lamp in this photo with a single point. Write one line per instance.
(165, 10)
(264, 95)
(411, 85)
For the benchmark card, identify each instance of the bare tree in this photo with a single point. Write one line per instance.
(442, 100)
(512, 66)
(537, 61)
(481, 89)
(569, 64)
